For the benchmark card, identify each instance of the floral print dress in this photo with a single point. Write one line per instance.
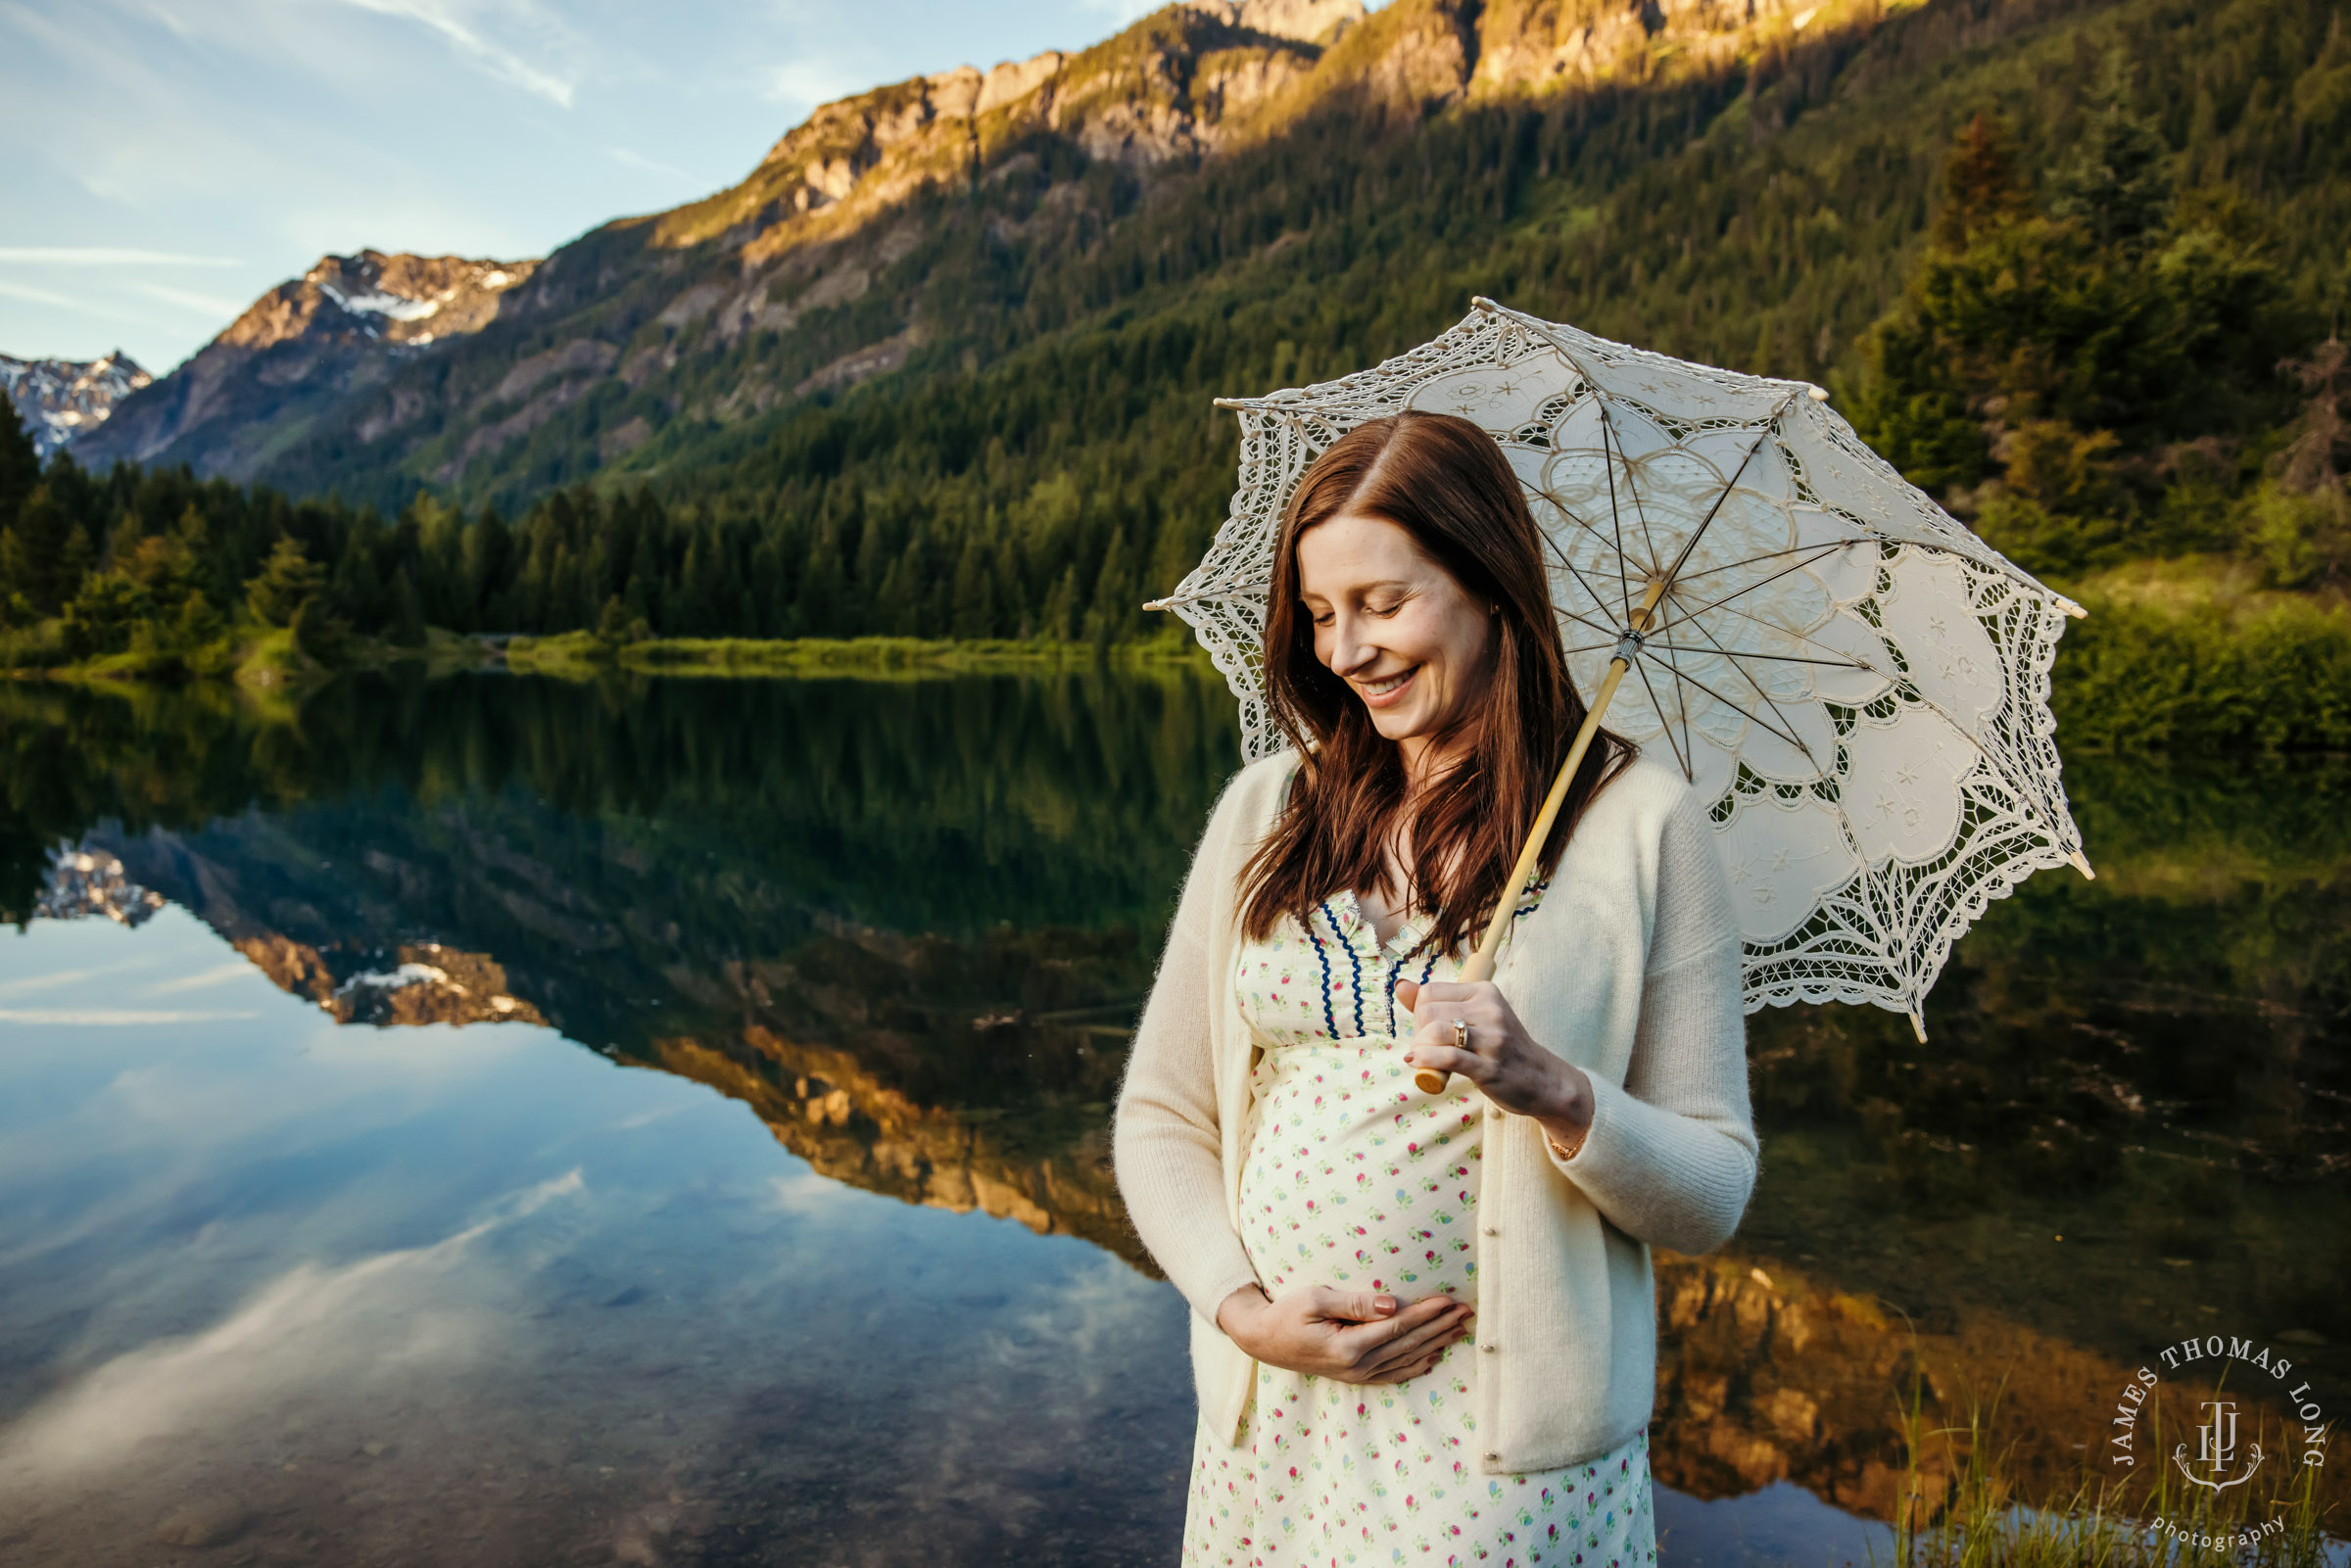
(1355, 1178)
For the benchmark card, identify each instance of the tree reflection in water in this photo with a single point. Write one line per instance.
(907, 924)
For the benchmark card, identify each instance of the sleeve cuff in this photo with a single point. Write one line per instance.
(1594, 1153)
(1214, 1297)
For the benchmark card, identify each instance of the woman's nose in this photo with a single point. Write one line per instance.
(1349, 652)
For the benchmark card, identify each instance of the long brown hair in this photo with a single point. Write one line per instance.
(1443, 481)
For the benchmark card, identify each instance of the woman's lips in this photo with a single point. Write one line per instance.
(1388, 691)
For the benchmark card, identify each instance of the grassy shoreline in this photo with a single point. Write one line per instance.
(581, 655)
(2189, 656)
(2193, 655)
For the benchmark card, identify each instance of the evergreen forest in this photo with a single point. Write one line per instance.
(2079, 270)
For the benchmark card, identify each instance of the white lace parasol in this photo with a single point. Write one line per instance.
(1857, 682)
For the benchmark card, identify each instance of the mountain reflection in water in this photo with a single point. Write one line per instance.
(907, 924)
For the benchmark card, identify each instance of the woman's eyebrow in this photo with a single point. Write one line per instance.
(1385, 583)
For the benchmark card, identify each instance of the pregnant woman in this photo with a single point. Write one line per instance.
(1422, 1326)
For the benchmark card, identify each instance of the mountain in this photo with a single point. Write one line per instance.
(944, 364)
(300, 352)
(899, 226)
(61, 400)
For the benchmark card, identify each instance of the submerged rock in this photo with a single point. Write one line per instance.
(210, 1521)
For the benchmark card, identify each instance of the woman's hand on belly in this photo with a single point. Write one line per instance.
(1508, 1065)
(1348, 1336)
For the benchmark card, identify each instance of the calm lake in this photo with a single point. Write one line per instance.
(496, 1120)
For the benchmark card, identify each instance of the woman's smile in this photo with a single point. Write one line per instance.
(1387, 690)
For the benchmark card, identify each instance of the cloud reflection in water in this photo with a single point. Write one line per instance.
(439, 1293)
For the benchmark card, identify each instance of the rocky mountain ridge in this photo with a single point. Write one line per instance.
(300, 349)
(61, 400)
(848, 250)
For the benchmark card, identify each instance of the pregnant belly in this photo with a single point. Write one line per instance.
(1357, 1179)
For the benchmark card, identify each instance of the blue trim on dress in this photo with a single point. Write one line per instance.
(1355, 963)
(1323, 954)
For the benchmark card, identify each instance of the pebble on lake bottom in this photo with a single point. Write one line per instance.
(211, 1521)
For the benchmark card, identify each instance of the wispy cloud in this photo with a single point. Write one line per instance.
(105, 255)
(111, 1017)
(386, 1317)
(75, 976)
(26, 291)
(653, 166)
(191, 301)
(495, 58)
(205, 979)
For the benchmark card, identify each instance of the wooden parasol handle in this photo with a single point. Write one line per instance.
(1482, 963)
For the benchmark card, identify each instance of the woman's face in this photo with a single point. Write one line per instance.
(1394, 625)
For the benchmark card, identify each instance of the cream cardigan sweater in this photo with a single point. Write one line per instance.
(1629, 969)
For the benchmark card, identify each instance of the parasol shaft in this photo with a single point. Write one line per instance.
(1482, 963)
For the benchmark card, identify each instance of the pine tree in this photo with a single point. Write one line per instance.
(286, 579)
(318, 634)
(37, 565)
(612, 624)
(15, 575)
(1981, 187)
(1114, 597)
(489, 561)
(198, 623)
(75, 560)
(20, 465)
(407, 612)
(1060, 619)
(975, 596)
(2119, 182)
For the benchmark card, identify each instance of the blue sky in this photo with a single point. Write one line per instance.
(163, 162)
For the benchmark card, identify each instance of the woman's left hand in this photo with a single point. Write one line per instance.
(1508, 1066)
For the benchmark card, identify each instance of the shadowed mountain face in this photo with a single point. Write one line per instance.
(907, 925)
(911, 224)
(299, 354)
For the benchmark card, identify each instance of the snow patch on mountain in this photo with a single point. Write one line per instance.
(391, 305)
(58, 400)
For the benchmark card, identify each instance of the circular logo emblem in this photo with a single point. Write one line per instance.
(2257, 1415)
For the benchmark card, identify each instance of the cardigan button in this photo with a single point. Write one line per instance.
(1489, 1349)
(1493, 1458)
(1492, 1231)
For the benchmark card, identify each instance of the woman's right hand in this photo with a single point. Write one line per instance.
(1347, 1336)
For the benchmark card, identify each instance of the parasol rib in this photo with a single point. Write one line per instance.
(1569, 562)
(1678, 755)
(1749, 588)
(1616, 520)
(1687, 578)
(1732, 483)
(2073, 854)
(1614, 633)
(2071, 849)
(1749, 677)
(1745, 653)
(1679, 674)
